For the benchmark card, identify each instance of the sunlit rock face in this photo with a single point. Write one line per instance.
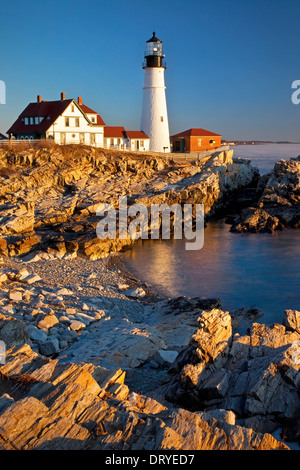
(279, 203)
(50, 195)
(49, 405)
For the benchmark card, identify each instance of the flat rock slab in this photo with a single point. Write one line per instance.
(116, 343)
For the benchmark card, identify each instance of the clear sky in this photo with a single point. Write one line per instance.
(230, 63)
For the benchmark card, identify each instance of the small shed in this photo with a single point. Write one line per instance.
(195, 140)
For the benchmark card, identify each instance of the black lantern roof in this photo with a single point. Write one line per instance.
(154, 38)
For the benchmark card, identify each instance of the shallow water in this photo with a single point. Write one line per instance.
(243, 270)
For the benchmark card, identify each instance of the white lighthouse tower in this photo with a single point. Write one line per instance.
(154, 120)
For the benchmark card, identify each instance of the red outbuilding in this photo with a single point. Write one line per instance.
(195, 140)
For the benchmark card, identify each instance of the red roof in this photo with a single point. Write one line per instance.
(137, 135)
(88, 110)
(50, 110)
(114, 131)
(196, 133)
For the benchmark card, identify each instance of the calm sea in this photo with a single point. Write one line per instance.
(264, 156)
(244, 270)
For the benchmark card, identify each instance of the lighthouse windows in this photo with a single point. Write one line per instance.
(161, 119)
(153, 49)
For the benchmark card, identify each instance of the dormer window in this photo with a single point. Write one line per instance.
(93, 119)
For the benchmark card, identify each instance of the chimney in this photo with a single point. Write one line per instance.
(39, 98)
(62, 96)
(79, 100)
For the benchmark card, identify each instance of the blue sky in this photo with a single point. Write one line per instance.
(230, 63)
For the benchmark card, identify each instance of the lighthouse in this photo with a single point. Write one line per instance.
(154, 121)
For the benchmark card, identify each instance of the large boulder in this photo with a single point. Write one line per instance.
(12, 331)
(16, 219)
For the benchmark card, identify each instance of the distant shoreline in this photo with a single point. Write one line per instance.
(260, 143)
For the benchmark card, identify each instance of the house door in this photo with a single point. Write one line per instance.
(137, 144)
(62, 138)
(81, 137)
(92, 139)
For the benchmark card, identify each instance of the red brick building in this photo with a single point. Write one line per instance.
(195, 140)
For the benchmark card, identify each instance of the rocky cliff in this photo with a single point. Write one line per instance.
(49, 196)
(93, 360)
(278, 204)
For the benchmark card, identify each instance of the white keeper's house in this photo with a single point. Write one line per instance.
(68, 121)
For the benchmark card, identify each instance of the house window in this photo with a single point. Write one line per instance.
(72, 108)
(142, 143)
(77, 122)
(31, 120)
(26, 121)
(67, 122)
(37, 121)
(199, 142)
(73, 136)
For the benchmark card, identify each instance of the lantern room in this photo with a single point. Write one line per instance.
(154, 56)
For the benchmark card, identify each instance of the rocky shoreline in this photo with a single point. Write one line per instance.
(277, 203)
(94, 358)
(49, 197)
(93, 394)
